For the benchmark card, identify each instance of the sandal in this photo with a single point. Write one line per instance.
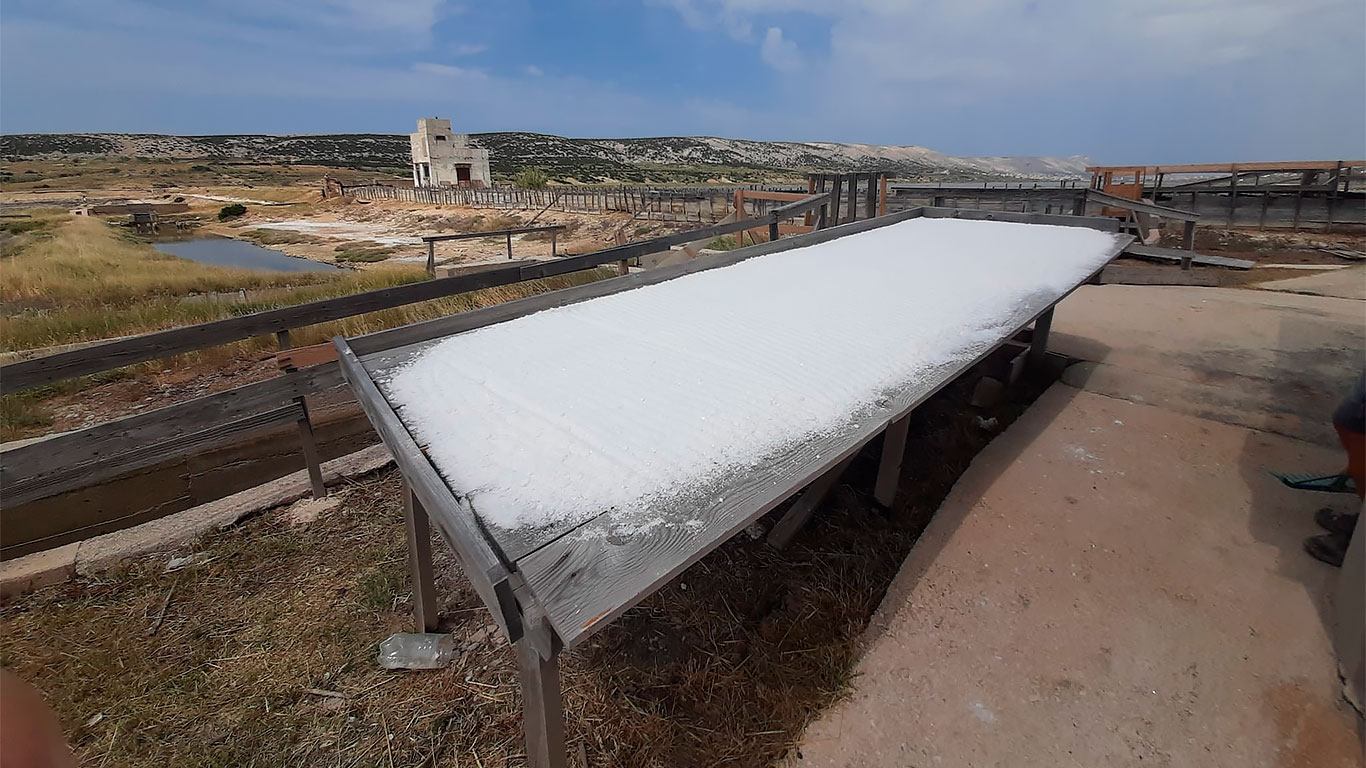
(1325, 483)
(1334, 521)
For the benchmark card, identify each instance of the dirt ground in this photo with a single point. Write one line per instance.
(264, 649)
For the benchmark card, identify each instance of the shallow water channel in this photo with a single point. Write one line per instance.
(227, 252)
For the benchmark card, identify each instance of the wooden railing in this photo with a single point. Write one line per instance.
(86, 457)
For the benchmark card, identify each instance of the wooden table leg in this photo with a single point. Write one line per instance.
(420, 562)
(1038, 342)
(805, 506)
(889, 470)
(542, 707)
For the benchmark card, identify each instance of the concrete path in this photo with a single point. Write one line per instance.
(1117, 581)
(1347, 283)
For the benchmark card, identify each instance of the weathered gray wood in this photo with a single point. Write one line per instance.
(800, 512)
(1096, 196)
(1038, 341)
(425, 613)
(50, 475)
(1188, 236)
(143, 431)
(542, 704)
(1154, 253)
(307, 442)
(836, 187)
(889, 467)
(509, 232)
(1103, 223)
(483, 567)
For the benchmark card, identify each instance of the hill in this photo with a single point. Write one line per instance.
(673, 158)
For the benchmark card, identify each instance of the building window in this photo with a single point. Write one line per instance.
(439, 138)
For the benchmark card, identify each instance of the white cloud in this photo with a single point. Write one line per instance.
(446, 70)
(780, 53)
(469, 49)
(533, 70)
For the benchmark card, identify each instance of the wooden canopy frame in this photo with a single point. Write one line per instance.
(554, 594)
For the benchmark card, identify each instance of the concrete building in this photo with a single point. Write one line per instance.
(444, 159)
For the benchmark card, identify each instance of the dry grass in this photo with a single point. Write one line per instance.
(222, 663)
(76, 279)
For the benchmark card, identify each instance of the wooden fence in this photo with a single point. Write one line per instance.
(38, 510)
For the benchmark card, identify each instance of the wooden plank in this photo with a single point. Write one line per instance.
(1287, 165)
(418, 528)
(799, 513)
(1103, 223)
(111, 438)
(114, 354)
(1096, 196)
(482, 565)
(889, 467)
(1173, 255)
(542, 703)
(60, 478)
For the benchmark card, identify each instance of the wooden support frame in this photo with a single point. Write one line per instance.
(799, 513)
(1038, 341)
(307, 441)
(420, 562)
(889, 467)
(548, 613)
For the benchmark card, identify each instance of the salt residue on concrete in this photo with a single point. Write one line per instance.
(609, 404)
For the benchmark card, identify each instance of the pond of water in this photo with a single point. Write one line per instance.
(226, 252)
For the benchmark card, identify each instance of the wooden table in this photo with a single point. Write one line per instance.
(548, 591)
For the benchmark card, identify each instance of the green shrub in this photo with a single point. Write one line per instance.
(231, 211)
(532, 178)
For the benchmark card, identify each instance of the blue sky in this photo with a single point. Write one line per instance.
(1116, 80)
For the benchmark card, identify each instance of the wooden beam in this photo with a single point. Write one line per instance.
(787, 527)
(1038, 340)
(418, 527)
(889, 468)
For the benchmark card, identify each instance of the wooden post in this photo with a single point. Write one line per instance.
(1188, 236)
(1038, 342)
(882, 198)
(889, 469)
(307, 442)
(870, 205)
(431, 258)
(509, 246)
(773, 230)
(836, 186)
(425, 614)
(623, 268)
(853, 197)
(1232, 193)
(552, 242)
(542, 705)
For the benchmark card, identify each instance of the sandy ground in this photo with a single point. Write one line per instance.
(1347, 283)
(1117, 580)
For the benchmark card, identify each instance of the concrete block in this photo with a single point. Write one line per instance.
(40, 569)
